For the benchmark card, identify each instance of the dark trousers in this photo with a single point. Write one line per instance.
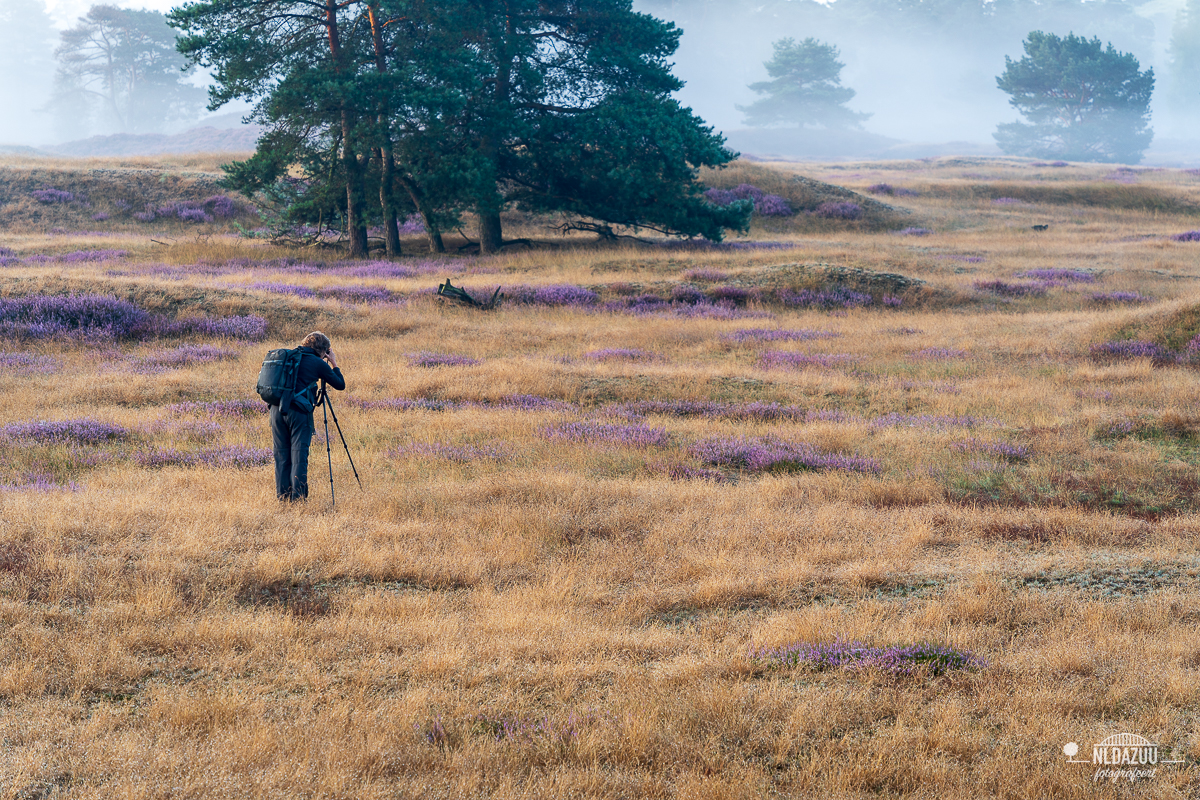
(291, 435)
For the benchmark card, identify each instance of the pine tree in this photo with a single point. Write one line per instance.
(554, 105)
(300, 63)
(124, 64)
(586, 126)
(805, 88)
(1084, 102)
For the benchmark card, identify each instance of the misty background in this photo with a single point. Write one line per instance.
(925, 70)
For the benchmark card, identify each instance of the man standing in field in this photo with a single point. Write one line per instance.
(292, 429)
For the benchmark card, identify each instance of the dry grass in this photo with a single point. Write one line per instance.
(174, 632)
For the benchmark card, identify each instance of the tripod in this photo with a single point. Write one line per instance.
(327, 405)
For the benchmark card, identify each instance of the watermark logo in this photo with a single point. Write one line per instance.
(1121, 757)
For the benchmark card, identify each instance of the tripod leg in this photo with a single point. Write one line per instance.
(339, 430)
(328, 453)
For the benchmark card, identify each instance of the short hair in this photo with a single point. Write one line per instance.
(317, 341)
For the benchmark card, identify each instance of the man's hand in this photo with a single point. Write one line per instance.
(331, 358)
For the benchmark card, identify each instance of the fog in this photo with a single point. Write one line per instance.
(925, 70)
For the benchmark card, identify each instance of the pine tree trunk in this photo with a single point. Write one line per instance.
(436, 245)
(491, 234)
(431, 230)
(390, 227)
(387, 160)
(355, 229)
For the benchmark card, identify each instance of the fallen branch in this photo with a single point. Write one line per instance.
(451, 292)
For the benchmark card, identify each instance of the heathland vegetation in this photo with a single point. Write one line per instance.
(894, 496)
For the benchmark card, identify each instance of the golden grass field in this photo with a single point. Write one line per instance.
(502, 613)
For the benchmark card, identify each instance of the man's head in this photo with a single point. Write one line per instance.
(318, 342)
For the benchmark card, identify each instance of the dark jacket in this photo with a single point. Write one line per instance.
(313, 368)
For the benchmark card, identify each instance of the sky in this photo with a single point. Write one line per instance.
(65, 12)
(914, 93)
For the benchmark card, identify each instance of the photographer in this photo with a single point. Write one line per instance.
(292, 429)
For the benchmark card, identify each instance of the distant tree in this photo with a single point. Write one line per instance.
(1184, 62)
(805, 88)
(1084, 102)
(27, 39)
(123, 65)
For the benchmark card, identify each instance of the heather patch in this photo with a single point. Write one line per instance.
(838, 297)
(230, 456)
(184, 356)
(916, 659)
(653, 305)
(1060, 275)
(221, 408)
(839, 210)
(1188, 236)
(1130, 349)
(358, 294)
(529, 402)
(38, 482)
(766, 205)
(705, 275)
(685, 293)
(221, 206)
(1007, 450)
(891, 191)
(413, 224)
(962, 258)
(1122, 175)
(250, 326)
(1119, 298)
(71, 431)
(1004, 289)
(460, 454)
(88, 256)
(911, 231)
(190, 429)
(50, 196)
(215, 207)
(91, 316)
(405, 404)
(283, 288)
(1007, 201)
(598, 432)
(778, 335)
(785, 359)
(74, 257)
(411, 269)
(388, 269)
(554, 295)
(440, 360)
(27, 363)
(735, 295)
(769, 453)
